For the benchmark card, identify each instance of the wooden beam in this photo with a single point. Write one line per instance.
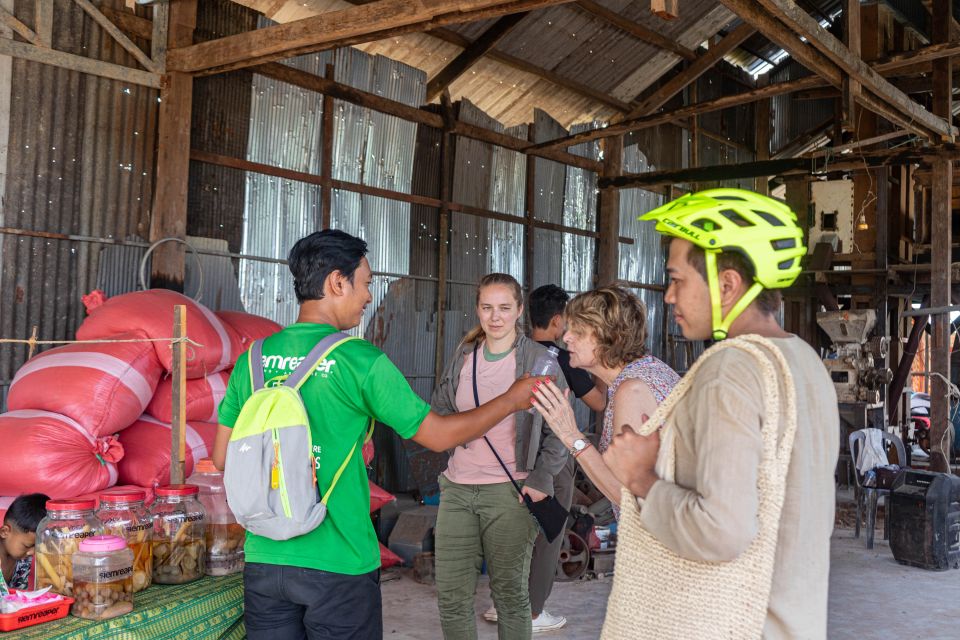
(851, 32)
(635, 29)
(666, 9)
(159, 33)
(470, 55)
(762, 113)
(353, 25)
(696, 69)
(117, 35)
(43, 16)
(608, 218)
(78, 63)
(412, 114)
(326, 154)
(797, 146)
(805, 26)
(21, 29)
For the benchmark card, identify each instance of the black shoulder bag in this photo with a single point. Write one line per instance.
(549, 513)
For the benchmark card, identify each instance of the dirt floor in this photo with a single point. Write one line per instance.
(870, 596)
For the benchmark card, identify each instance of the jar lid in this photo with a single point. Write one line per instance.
(123, 496)
(178, 490)
(71, 505)
(206, 466)
(103, 543)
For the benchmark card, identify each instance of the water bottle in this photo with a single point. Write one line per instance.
(546, 364)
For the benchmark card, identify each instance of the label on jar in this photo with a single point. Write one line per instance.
(116, 573)
(194, 518)
(80, 534)
(134, 528)
(37, 615)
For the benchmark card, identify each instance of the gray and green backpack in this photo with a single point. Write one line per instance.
(270, 474)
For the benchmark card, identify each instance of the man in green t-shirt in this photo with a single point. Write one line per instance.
(325, 584)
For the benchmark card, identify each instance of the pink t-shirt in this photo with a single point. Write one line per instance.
(475, 463)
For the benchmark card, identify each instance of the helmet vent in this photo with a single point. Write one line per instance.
(705, 224)
(769, 217)
(735, 218)
(732, 198)
(786, 243)
(786, 264)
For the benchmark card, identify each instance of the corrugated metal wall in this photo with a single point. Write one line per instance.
(792, 118)
(80, 161)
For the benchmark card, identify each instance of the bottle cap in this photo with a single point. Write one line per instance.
(103, 543)
(132, 495)
(71, 505)
(178, 490)
(205, 466)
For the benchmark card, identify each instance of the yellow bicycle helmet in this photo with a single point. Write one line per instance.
(761, 229)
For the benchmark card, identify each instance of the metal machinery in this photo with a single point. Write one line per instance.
(857, 365)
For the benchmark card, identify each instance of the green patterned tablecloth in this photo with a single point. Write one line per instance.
(209, 609)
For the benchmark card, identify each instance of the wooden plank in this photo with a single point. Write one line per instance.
(472, 53)
(666, 9)
(326, 154)
(608, 218)
(762, 136)
(636, 30)
(797, 146)
(696, 69)
(117, 35)
(353, 25)
(447, 161)
(159, 34)
(940, 297)
(43, 10)
(21, 29)
(78, 63)
(851, 88)
(825, 42)
(178, 420)
(132, 25)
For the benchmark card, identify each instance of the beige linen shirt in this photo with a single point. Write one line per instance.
(710, 512)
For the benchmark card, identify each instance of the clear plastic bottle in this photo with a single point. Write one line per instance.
(225, 537)
(123, 514)
(103, 574)
(179, 543)
(546, 364)
(68, 522)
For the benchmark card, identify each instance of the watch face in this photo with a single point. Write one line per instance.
(579, 444)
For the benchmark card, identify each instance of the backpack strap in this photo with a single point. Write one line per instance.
(255, 362)
(317, 355)
(346, 461)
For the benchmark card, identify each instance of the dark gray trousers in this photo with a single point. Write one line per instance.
(543, 565)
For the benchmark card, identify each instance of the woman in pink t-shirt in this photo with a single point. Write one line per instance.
(481, 517)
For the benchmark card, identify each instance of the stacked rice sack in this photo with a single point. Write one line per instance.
(83, 417)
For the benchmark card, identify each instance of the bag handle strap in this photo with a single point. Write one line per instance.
(317, 355)
(255, 365)
(346, 461)
(476, 401)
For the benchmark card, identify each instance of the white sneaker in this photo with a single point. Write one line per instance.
(491, 614)
(919, 453)
(547, 622)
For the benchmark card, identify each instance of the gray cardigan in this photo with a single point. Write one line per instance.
(538, 450)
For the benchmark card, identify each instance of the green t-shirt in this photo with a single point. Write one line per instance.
(356, 383)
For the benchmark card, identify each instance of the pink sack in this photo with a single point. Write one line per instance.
(250, 327)
(152, 312)
(147, 443)
(388, 558)
(104, 387)
(44, 452)
(379, 497)
(202, 398)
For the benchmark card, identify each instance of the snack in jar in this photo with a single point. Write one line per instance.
(179, 544)
(224, 537)
(123, 514)
(103, 578)
(68, 522)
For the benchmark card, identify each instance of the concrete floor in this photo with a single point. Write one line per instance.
(870, 596)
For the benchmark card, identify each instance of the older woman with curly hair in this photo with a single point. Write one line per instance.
(606, 335)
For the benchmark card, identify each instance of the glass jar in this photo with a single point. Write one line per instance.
(68, 522)
(103, 578)
(224, 537)
(123, 514)
(179, 545)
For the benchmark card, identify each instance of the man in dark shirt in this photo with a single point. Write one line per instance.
(545, 306)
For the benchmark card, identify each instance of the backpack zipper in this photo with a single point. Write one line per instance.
(277, 480)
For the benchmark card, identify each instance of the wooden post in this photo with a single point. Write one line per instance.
(608, 220)
(694, 130)
(851, 88)
(326, 154)
(529, 200)
(940, 212)
(761, 183)
(443, 228)
(169, 214)
(178, 426)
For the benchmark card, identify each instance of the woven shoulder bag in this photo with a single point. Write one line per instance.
(659, 595)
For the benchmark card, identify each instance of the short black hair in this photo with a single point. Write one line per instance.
(26, 512)
(319, 254)
(545, 302)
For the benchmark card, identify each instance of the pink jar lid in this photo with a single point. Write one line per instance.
(103, 543)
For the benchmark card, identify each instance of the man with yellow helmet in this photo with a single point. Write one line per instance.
(730, 253)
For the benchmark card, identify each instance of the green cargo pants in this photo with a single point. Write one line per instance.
(477, 523)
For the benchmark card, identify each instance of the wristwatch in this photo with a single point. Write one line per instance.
(578, 446)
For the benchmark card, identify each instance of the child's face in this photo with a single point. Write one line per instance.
(18, 544)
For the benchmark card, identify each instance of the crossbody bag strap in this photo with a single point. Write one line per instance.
(317, 355)
(346, 461)
(476, 401)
